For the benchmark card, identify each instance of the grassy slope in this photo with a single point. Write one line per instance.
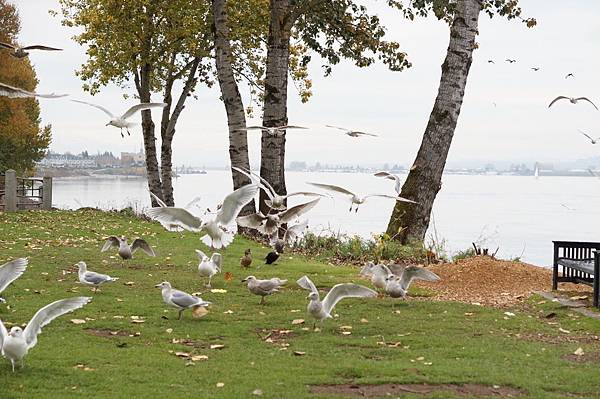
(480, 348)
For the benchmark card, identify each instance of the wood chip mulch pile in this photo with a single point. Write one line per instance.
(491, 282)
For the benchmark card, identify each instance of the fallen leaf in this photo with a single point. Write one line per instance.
(562, 330)
(579, 352)
(197, 358)
(420, 358)
(228, 312)
(364, 320)
(346, 332)
(220, 384)
(130, 283)
(138, 321)
(77, 321)
(297, 321)
(199, 311)
(169, 330)
(579, 297)
(217, 346)
(294, 310)
(346, 328)
(218, 291)
(257, 392)
(228, 276)
(182, 354)
(509, 314)
(299, 353)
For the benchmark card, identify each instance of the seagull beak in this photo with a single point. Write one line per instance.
(157, 285)
(244, 280)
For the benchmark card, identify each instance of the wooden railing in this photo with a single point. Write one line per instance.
(25, 193)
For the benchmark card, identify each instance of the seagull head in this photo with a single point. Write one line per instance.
(81, 265)
(164, 284)
(390, 277)
(248, 279)
(2, 300)
(15, 332)
(313, 296)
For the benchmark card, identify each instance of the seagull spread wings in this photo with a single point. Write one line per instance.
(331, 187)
(175, 217)
(307, 284)
(111, 241)
(139, 243)
(234, 202)
(588, 100)
(15, 92)
(48, 313)
(100, 107)
(341, 291)
(296, 211)
(142, 107)
(261, 182)
(416, 273)
(11, 271)
(399, 199)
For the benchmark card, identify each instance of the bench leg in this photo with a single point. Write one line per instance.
(596, 279)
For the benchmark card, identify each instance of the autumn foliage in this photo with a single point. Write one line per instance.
(22, 140)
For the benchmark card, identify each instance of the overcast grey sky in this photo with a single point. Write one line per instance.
(394, 104)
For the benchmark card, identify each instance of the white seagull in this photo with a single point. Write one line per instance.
(377, 273)
(397, 286)
(11, 271)
(15, 344)
(217, 233)
(122, 121)
(270, 223)
(179, 299)
(162, 204)
(208, 267)
(264, 287)
(22, 51)
(321, 310)
(355, 199)
(352, 133)
(573, 100)
(273, 130)
(390, 176)
(15, 92)
(592, 140)
(275, 200)
(92, 278)
(126, 251)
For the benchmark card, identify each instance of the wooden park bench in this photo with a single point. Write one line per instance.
(577, 262)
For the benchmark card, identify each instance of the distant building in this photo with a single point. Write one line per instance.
(133, 159)
(54, 160)
(107, 160)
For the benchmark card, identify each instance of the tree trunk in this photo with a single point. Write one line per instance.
(409, 222)
(272, 162)
(143, 86)
(234, 106)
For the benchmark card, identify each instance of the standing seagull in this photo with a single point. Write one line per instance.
(179, 299)
(122, 121)
(352, 133)
(390, 176)
(275, 200)
(264, 287)
(573, 100)
(273, 130)
(217, 234)
(321, 310)
(397, 286)
(21, 51)
(92, 278)
(11, 271)
(15, 344)
(208, 267)
(269, 224)
(592, 140)
(15, 92)
(354, 198)
(126, 251)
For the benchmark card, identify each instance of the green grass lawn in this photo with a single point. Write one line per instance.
(391, 341)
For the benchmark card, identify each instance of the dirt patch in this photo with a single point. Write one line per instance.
(593, 357)
(371, 391)
(276, 337)
(109, 333)
(492, 282)
(558, 339)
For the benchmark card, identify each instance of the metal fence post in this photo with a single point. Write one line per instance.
(47, 194)
(10, 193)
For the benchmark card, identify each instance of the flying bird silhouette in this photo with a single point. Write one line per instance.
(22, 51)
(352, 133)
(15, 92)
(592, 140)
(572, 100)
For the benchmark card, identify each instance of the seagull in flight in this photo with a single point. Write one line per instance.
(355, 199)
(569, 75)
(15, 344)
(15, 92)
(11, 271)
(572, 100)
(22, 51)
(397, 286)
(593, 173)
(535, 69)
(390, 176)
(321, 310)
(491, 62)
(269, 224)
(217, 234)
(275, 201)
(352, 133)
(122, 121)
(510, 61)
(592, 140)
(273, 130)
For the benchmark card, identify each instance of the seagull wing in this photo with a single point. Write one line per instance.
(588, 100)
(341, 291)
(7, 46)
(331, 187)
(14, 92)
(290, 127)
(3, 335)
(292, 233)
(305, 193)
(193, 202)
(11, 271)
(364, 133)
(262, 183)
(585, 134)
(297, 211)
(217, 259)
(558, 98)
(253, 221)
(175, 216)
(234, 202)
(101, 108)
(254, 128)
(185, 300)
(161, 203)
(399, 199)
(48, 313)
(201, 255)
(111, 241)
(96, 278)
(141, 107)
(307, 284)
(416, 273)
(339, 128)
(142, 244)
(40, 47)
